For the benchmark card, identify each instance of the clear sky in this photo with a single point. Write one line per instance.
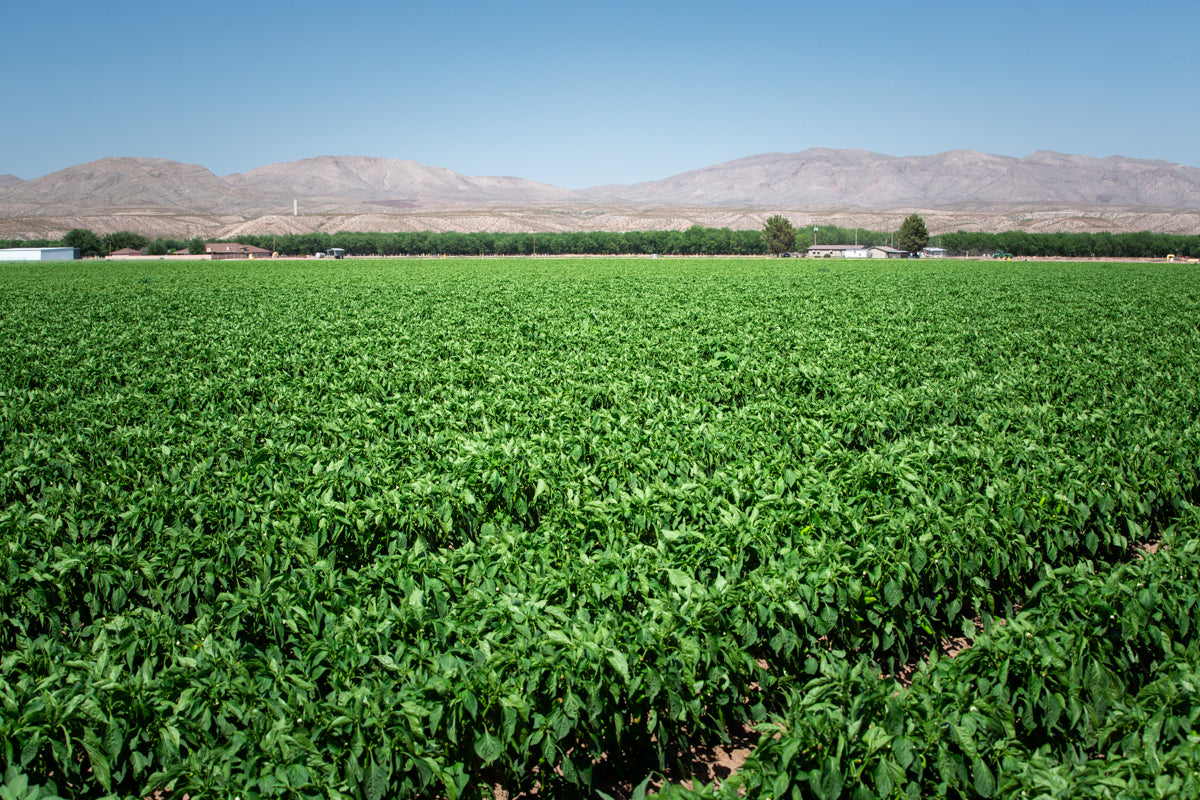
(580, 94)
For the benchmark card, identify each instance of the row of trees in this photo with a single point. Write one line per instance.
(777, 236)
(91, 244)
(696, 240)
(1073, 245)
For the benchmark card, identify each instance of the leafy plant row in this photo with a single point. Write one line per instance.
(379, 531)
(1093, 690)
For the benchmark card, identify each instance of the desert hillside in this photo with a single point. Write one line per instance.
(958, 190)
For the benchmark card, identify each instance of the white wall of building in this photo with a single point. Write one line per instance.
(38, 254)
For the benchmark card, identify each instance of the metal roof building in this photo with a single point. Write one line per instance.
(831, 250)
(39, 253)
(221, 251)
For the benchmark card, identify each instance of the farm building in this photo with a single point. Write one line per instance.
(883, 251)
(220, 251)
(39, 254)
(831, 250)
(124, 252)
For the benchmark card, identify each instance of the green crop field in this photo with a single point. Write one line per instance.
(419, 528)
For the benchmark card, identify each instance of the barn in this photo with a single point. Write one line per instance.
(223, 251)
(39, 253)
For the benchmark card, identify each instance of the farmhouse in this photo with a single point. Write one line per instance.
(831, 250)
(39, 254)
(220, 251)
(883, 251)
(125, 252)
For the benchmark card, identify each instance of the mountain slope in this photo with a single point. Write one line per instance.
(131, 183)
(390, 180)
(870, 180)
(960, 189)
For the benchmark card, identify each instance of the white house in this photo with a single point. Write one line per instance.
(883, 251)
(39, 254)
(831, 250)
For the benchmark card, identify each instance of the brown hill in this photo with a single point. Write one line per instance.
(123, 183)
(870, 180)
(955, 190)
(390, 182)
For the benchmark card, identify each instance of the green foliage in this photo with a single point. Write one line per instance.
(16, 786)
(913, 234)
(695, 241)
(408, 528)
(119, 240)
(1092, 691)
(778, 234)
(1074, 245)
(89, 244)
(195, 247)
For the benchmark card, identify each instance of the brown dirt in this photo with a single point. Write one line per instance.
(30, 223)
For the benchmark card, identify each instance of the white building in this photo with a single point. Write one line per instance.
(831, 250)
(39, 253)
(883, 251)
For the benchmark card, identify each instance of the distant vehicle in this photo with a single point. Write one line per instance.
(1002, 255)
(335, 252)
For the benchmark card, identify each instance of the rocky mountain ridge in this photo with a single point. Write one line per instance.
(978, 190)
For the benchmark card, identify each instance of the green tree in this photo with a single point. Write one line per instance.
(196, 246)
(89, 243)
(913, 234)
(118, 240)
(779, 234)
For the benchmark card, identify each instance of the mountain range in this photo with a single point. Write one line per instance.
(168, 198)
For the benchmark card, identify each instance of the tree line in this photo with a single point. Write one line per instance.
(91, 244)
(696, 240)
(1142, 244)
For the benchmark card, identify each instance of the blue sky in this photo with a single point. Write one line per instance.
(579, 94)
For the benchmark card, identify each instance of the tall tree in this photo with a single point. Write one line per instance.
(779, 234)
(89, 243)
(118, 240)
(913, 234)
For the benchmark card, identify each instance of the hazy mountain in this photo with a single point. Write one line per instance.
(1042, 191)
(871, 180)
(151, 183)
(390, 182)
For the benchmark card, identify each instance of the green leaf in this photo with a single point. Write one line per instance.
(488, 747)
(892, 593)
(377, 781)
(619, 663)
(985, 781)
(97, 759)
